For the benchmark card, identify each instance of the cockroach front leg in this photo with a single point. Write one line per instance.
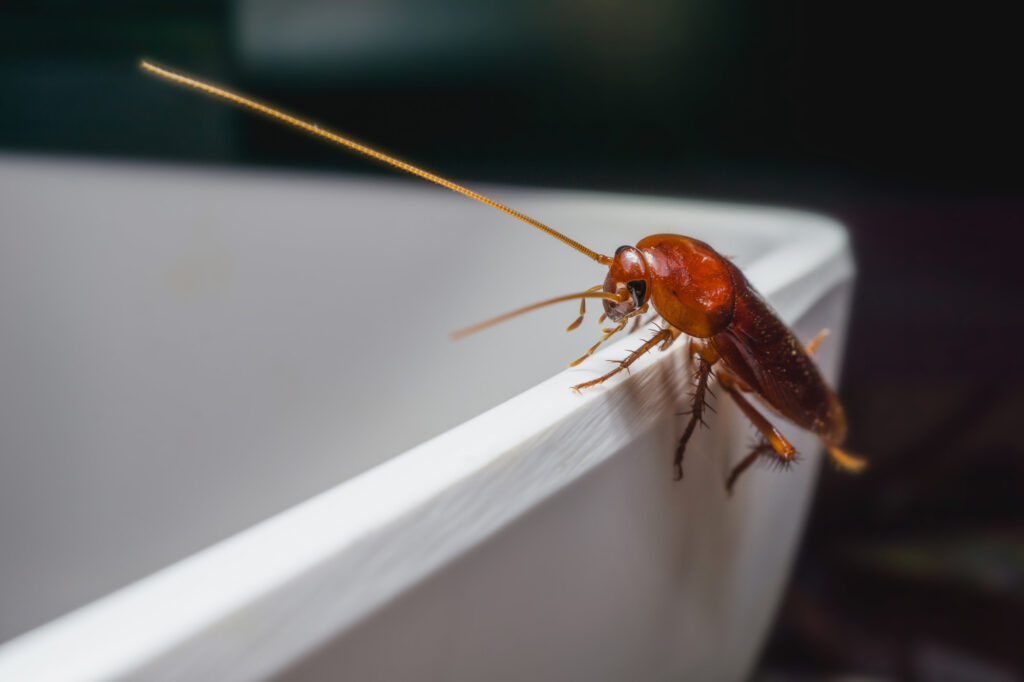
(664, 337)
(638, 322)
(608, 333)
(706, 359)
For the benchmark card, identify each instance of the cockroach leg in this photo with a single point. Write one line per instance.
(816, 341)
(845, 461)
(761, 449)
(698, 349)
(728, 378)
(675, 333)
(636, 324)
(608, 333)
(782, 447)
(604, 338)
(640, 323)
(661, 337)
(707, 357)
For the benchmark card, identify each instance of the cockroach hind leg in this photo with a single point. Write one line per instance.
(771, 435)
(761, 449)
(844, 461)
(816, 341)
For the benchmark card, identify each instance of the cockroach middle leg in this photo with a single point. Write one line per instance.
(706, 359)
(663, 336)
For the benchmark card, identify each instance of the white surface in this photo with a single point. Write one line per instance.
(186, 353)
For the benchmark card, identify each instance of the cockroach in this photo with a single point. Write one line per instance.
(734, 336)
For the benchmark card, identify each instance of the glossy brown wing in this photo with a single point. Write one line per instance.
(762, 351)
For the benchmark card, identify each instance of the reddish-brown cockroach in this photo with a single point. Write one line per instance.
(733, 334)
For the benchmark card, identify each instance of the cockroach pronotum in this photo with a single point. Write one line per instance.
(734, 336)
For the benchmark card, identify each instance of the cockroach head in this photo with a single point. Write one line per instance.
(629, 278)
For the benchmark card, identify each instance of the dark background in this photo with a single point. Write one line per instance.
(898, 119)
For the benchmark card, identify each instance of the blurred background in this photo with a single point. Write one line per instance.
(899, 120)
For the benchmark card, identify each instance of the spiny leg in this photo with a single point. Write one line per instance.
(664, 336)
(653, 319)
(707, 357)
(608, 333)
(639, 322)
(762, 448)
(782, 447)
(843, 460)
(772, 442)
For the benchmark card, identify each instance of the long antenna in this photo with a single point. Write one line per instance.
(366, 151)
(479, 326)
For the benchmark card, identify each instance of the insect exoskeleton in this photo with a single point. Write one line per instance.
(685, 280)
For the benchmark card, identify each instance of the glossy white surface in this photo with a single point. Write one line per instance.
(187, 353)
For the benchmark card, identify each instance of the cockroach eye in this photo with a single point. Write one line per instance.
(639, 290)
(621, 249)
